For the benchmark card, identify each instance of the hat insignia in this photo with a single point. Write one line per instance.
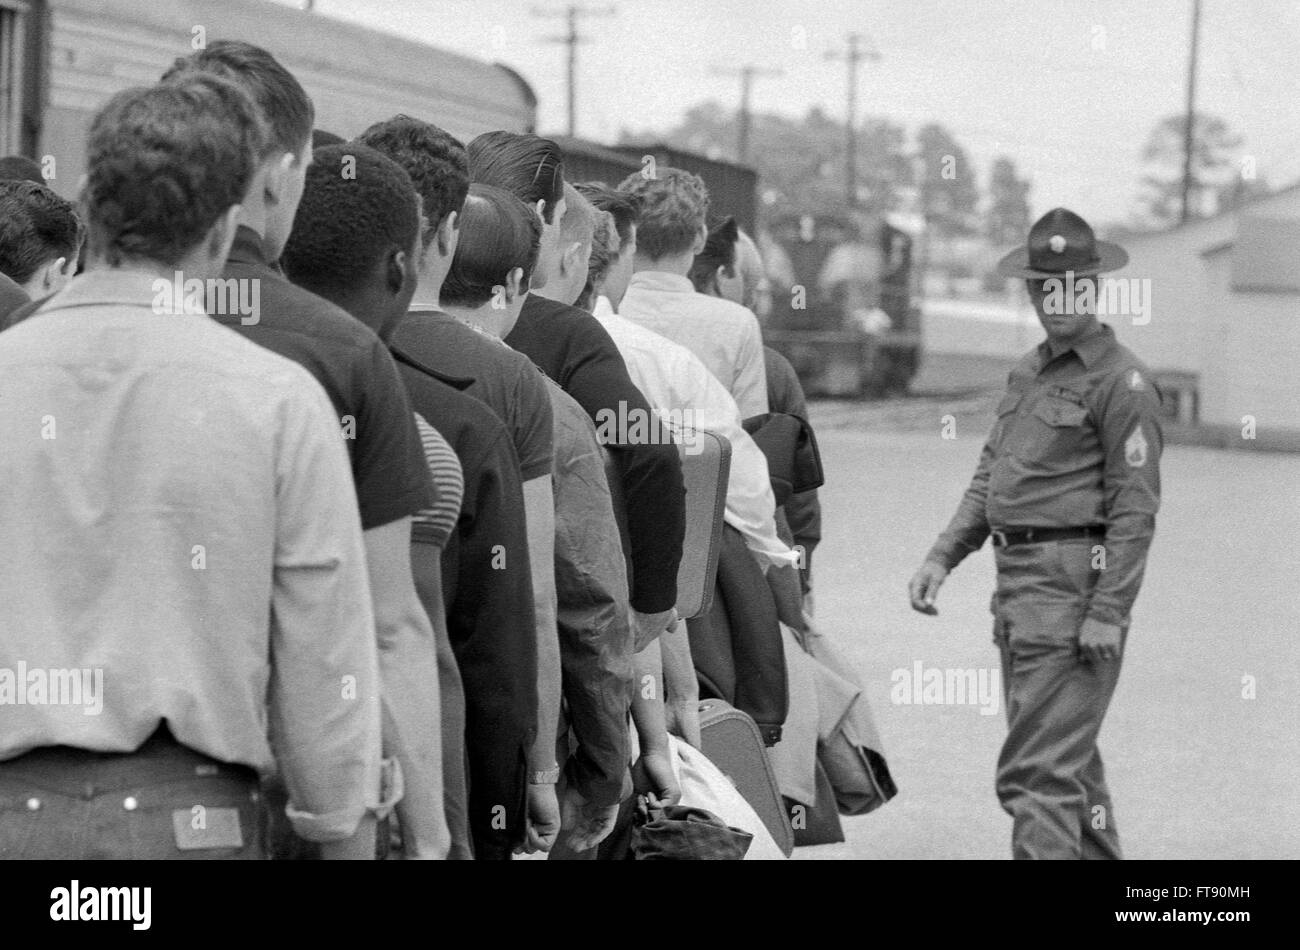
(1057, 243)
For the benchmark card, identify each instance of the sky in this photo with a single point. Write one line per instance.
(1069, 89)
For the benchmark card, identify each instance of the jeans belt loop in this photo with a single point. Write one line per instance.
(999, 537)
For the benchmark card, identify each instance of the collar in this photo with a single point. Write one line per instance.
(125, 286)
(412, 338)
(661, 281)
(1089, 349)
(247, 249)
(603, 309)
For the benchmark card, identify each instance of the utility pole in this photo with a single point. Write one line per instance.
(1189, 133)
(746, 74)
(852, 56)
(571, 39)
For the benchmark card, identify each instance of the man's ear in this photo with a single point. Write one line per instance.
(540, 207)
(701, 238)
(277, 175)
(53, 273)
(222, 235)
(395, 271)
(572, 257)
(514, 283)
(447, 235)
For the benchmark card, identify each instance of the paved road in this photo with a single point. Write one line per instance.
(1196, 770)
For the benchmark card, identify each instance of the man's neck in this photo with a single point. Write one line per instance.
(430, 287)
(678, 264)
(487, 318)
(554, 290)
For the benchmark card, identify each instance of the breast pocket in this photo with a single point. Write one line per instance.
(1056, 429)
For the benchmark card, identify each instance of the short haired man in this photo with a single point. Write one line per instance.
(731, 267)
(357, 243)
(486, 287)
(351, 362)
(513, 388)
(1068, 486)
(660, 296)
(40, 237)
(573, 349)
(182, 525)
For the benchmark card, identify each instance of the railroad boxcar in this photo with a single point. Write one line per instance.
(60, 60)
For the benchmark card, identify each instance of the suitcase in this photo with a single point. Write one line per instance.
(732, 742)
(705, 471)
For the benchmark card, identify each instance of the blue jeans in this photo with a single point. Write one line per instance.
(163, 801)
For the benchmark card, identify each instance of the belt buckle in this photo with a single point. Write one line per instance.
(999, 537)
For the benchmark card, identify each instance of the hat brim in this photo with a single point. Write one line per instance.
(1109, 257)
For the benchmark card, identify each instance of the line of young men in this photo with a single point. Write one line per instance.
(175, 486)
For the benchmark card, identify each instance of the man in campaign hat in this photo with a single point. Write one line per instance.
(1067, 486)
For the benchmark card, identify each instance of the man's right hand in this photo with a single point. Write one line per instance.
(658, 773)
(924, 586)
(647, 627)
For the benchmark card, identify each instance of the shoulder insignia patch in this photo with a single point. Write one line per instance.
(1135, 449)
(1136, 382)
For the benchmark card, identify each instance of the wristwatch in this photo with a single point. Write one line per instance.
(544, 776)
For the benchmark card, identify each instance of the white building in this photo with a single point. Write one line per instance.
(1224, 326)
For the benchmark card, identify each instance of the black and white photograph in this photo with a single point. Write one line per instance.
(649, 430)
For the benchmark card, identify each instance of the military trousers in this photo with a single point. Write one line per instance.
(1050, 777)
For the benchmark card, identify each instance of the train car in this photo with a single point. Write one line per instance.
(587, 161)
(844, 314)
(60, 60)
(732, 188)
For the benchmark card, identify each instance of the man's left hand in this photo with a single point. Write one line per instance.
(1100, 642)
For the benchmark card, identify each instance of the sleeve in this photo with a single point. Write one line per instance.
(435, 525)
(653, 493)
(535, 435)
(750, 384)
(324, 689)
(803, 511)
(490, 621)
(595, 637)
(969, 527)
(392, 476)
(1132, 441)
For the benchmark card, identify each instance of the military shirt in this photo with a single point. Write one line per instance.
(1077, 442)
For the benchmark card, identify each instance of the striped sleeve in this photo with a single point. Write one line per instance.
(435, 525)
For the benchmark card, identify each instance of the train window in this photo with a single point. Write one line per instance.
(13, 23)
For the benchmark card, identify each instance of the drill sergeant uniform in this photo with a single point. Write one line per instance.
(1068, 486)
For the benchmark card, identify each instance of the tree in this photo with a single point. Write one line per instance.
(1007, 219)
(800, 162)
(949, 193)
(1214, 166)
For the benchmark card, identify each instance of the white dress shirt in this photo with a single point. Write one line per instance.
(723, 335)
(675, 382)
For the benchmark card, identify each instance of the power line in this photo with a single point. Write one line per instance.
(571, 39)
(853, 55)
(746, 74)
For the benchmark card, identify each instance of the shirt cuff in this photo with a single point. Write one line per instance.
(342, 823)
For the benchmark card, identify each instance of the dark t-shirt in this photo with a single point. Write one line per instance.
(488, 594)
(573, 349)
(355, 368)
(506, 381)
(12, 300)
